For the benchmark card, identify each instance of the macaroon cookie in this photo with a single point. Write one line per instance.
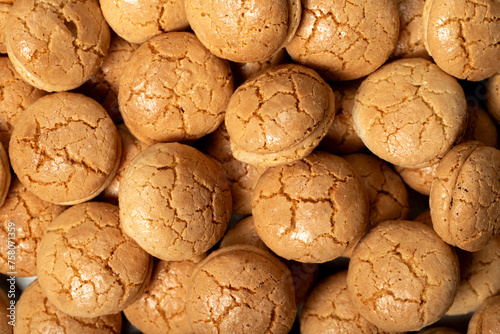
(5, 327)
(402, 276)
(243, 71)
(493, 97)
(162, 306)
(174, 201)
(409, 112)
(173, 89)
(5, 6)
(5, 176)
(87, 267)
(486, 320)
(65, 149)
(139, 21)
(27, 217)
(279, 116)
(345, 40)
(243, 232)
(419, 179)
(36, 314)
(241, 289)
(82, 37)
(463, 39)
(244, 32)
(17, 96)
(480, 126)
(410, 43)
(386, 191)
(311, 210)
(464, 198)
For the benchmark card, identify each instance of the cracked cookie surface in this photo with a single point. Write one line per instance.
(419, 179)
(4, 11)
(486, 320)
(402, 276)
(174, 201)
(36, 314)
(409, 112)
(56, 45)
(66, 149)
(410, 42)
(310, 210)
(174, 89)
(345, 40)
(241, 289)
(87, 266)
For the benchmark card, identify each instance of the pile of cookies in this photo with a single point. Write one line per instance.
(201, 166)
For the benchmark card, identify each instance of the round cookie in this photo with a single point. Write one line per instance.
(244, 32)
(310, 210)
(174, 201)
(329, 309)
(174, 89)
(242, 177)
(493, 96)
(419, 179)
(139, 21)
(279, 116)
(82, 37)
(402, 276)
(243, 71)
(5, 326)
(36, 314)
(480, 126)
(162, 306)
(464, 198)
(27, 216)
(5, 6)
(16, 97)
(410, 43)
(5, 176)
(425, 217)
(486, 319)
(86, 266)
(243, 232)
(409, 112)
(479, 273)
(66, 149)
(386, 191)
(345, 40)
(463, 39)
(241, 289)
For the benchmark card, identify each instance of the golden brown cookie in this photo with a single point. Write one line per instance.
(480, 126)
(5, 176)
(486, 319)
(310, 210)
(244, 31)
(5, 320)
(243, 71)
(36, 314)
(386, 191)
(174, 201)
(464, 198)
(242, 177)
(410, 43)
(479, 273)
(162, 306)
(419, 179)
(409, 112)
(86, 266)
(402, 276)
(82, 37)
(65, 149)
(345, 40)
(279, 116)
(16, 96)
(241, 289)
(463, 39)
(243, 232)
(5, 6)
(493, 96)
(425, 217)
(174, 89)
(27, 217)
(139, 21)
(329, 309)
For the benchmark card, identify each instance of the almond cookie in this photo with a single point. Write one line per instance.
(409, 112)
(66, 149)
(5, 6)
(243, 233)
(310, 210)
(244, 32)
(82, 37)
(86, 266)
(36, 314)
(279, 116)
(241, 289)
(386, 191)
(410, 43)
(480, 126)
(425, 217)
(402, 276)
(419, 179)
(463, 39)
(139, 21)
(174, 89)
(243, 71)
(5, 176)
(465, 193)
(27, 216)
(486, 319)
(5, 326)
(493, 96)
(174, 201)
(345, 40)
(162, 306)
(16, 96)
